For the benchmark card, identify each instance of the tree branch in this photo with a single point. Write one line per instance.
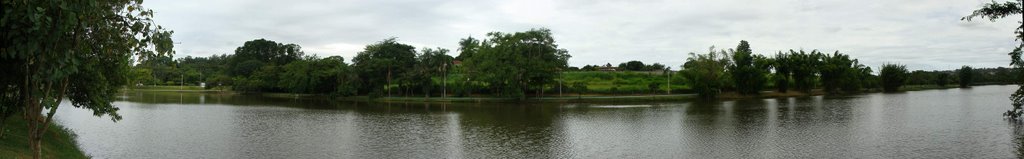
(53, 110)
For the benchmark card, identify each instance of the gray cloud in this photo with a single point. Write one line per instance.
(924, 34)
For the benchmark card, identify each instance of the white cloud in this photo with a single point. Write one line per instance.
(924, 34)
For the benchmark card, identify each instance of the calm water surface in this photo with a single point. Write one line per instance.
(954, 123)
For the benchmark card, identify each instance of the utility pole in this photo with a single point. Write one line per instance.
(668, 81)
(444, 81)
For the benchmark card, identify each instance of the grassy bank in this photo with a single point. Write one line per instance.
(566, 98)
(623, 82)
(58, 142)
(631, 98)
(174, 89)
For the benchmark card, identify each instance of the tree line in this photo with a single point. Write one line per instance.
(530, 63)
(739, 70)
(504, 64)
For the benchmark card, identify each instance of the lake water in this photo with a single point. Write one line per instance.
(953, 123)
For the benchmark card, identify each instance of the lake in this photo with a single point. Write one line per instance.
(952, 123)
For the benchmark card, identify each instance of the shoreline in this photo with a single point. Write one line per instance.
(565, 98)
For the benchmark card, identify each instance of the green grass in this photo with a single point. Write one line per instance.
(623, 82)
(168, 88)
(925, 87)
(58, 142)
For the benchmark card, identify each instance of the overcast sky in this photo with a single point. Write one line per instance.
(924, 34)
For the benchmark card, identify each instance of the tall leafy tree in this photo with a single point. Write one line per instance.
(893, 77)
(315, 75)
(942, 79)
(966, 76)
(467, 47)
(515, 63)
(749, 78)
(705, 72)
(430, 64)
(839, 71)
(267, 51)
(783, 71)
(632, 66)
(804, 67)
(257, 65)
(993, 11)
(379, 65)
(75, 50)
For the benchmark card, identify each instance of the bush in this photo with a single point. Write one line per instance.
(893, 77)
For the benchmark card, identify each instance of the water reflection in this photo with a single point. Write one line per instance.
(926, 124)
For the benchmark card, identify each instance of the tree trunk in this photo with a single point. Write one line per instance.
(37, 122)
(35, 142)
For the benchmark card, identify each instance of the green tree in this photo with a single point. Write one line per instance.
(632, 66)
(257, 65)
(993, 11)
(140, 75)
(298, 76)
(316, 75)
(942, 79)
(579, 87)
(839, 71)
(267, 52)
(803, 66)
(467, 47)
(966, 75)
(783, 71)
(515, 63)
(654, 67)
(380, 63)
(749, 78)
(432, 63)
(705, 72)
(893, 77)
(78, 50)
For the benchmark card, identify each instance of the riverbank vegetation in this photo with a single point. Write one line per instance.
(58, 142)
(529, 64)
(79, 52)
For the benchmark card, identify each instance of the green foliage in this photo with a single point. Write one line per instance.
(705, 72)
(579, 87)
(838, 71)
(314, 75)
(515, 63)
(748, 77)
(601, 82)
(942, 79)
(257, 66)
(59, 142)
(993, 11)
(384, 63)
(632, 66)
(783, 71)
(265, 51)
(432, 63)
(893, 77)
(804, 67)
(468, 47)
(79, 50)
(966, 76)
